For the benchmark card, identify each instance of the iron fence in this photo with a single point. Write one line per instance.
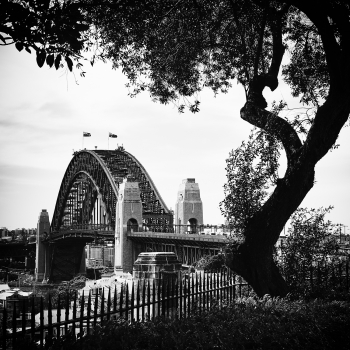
(319, 278)
(143, 300)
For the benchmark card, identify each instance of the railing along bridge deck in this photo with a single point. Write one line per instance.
(202, 236)
(82, 231)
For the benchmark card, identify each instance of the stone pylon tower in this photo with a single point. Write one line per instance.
(42, 260)
(128, 219)
(188, 207)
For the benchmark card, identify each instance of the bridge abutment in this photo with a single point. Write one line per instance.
(128, 219)
(42, 262)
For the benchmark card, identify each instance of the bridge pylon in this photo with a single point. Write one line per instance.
(42, 261)
(188, 207)
(128, 219)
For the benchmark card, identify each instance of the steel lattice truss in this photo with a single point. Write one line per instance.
(89, 191)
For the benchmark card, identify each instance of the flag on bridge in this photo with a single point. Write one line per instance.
(112, 135)
(86, 134)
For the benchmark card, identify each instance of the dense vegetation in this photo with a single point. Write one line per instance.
(248, 324)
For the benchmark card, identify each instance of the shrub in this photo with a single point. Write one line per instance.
(250, 323)
(309, 259)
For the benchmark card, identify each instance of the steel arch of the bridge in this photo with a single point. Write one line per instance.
(97, 174)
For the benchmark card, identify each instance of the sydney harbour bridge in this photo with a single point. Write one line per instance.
(89, 191)
(90, 205)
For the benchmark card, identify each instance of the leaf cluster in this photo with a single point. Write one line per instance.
(307, 72)
(55, 30)
(251, 170)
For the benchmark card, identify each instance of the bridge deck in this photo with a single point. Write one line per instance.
(86, 235)
(178, 238)
(188, 239)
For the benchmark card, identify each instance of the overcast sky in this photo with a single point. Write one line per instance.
(44, 113)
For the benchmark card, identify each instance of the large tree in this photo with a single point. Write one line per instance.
(174, 49)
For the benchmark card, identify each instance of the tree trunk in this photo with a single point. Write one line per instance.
(252, 258)
(259, 270)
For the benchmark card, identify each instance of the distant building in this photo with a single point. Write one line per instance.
(15, 298)
(108, 256)
(4, 288)
(4, 232)
(99, 255)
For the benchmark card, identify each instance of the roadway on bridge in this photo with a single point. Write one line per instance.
(178, 238)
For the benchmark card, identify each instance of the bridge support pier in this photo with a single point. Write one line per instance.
(42, 261)
(189, 207)
(128, 219)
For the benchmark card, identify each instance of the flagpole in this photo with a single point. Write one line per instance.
(83, 141)
(108, 142)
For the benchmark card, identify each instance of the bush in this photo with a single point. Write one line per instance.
(310, 260)
(210, 262)
(250, 323)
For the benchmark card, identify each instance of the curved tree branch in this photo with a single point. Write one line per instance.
(273, 124)
(253, 112)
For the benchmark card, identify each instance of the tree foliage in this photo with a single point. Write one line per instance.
(210, 262)
(307, 72)
(252, 169)
(68, 290)
(175, 49)
(55, 30)
(310, 254)
(311, 238)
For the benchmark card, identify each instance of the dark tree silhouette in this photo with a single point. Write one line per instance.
(57, 31)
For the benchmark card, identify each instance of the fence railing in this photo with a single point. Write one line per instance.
(142, 301)
(319, 277)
